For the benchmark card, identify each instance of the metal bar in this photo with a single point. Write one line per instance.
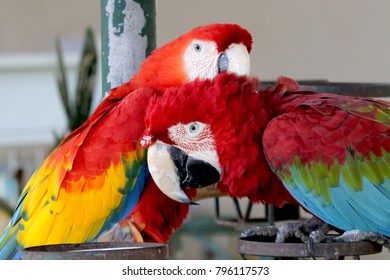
(248, 211)
(352, 89)
(271, 214)
(98, 251)
(238, 209)
(217, 209)
(128, 37)
(266, 246)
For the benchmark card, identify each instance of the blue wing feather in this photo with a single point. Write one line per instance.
(367, 209)
(131, 199)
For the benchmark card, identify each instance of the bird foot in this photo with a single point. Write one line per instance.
(125, 231)
(358, 235)
(318, 236)
(313, 229)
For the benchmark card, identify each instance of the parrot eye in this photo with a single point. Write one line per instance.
(201, 60)
(198, 47)
(194, 127)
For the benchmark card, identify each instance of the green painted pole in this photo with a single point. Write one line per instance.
(128, 30)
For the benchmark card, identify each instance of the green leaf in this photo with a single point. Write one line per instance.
(86, 80)
(62, 80)
(78, 109)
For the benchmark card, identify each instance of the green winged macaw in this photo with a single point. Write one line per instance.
(214, 127)
(331, 152)
(333, 156)
(95, 177)
(221, 125)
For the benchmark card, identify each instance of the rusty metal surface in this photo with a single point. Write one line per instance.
(294, 248)
(98, 251)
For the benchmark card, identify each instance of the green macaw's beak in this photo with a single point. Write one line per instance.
(173, 169)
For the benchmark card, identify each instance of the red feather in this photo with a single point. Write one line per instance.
(156, 215)
(237, 115)
(337, 121)
(87, 153)
(104, 142)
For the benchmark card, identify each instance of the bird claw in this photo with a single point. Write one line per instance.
(301, 230)
(358, 235)
(280, 232)
(310, 232)
(124, 231)
(315, 237)
(260, 231)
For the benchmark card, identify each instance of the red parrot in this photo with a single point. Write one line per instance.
(219, 135)
(331, 152)
(95, 177)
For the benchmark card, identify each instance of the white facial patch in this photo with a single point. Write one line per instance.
(200, 60)
(197, 140)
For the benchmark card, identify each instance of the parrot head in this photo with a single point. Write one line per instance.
(202, 133)
(201, 53)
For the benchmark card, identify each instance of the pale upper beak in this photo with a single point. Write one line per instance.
(173, 169)
(235, 60)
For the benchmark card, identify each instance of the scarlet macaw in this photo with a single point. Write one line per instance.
(331, 152)
(94, 178)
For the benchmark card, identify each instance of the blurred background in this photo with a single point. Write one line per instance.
(337, 40)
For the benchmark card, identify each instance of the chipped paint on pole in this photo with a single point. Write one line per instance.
(125, 44)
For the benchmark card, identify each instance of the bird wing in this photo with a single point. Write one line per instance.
(333, 154)
(92, 179)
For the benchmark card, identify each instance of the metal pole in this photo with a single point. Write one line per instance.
(128, 37)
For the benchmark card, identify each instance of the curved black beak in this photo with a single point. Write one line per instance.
(192, 172)
(173, 170)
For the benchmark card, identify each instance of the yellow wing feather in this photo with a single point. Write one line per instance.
(77, 213)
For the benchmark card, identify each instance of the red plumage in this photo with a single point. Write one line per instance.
(156, 216)
(237, 115)
(91, 180)
(332, 153)
(104, 142)
(319, 126)
(164, 67)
